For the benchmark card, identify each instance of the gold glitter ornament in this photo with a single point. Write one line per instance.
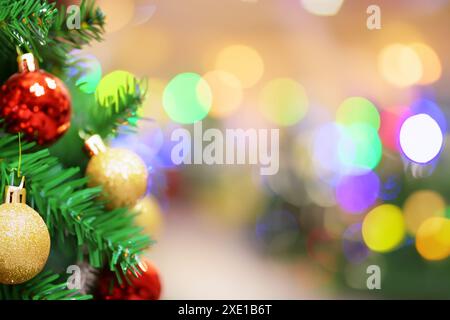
(121, 173)
(149, 216)
(24, 239)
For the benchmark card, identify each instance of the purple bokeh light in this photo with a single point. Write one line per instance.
(356, 193)
(353, 245)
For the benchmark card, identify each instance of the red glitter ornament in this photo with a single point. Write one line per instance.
(147, 286)
(35, 103)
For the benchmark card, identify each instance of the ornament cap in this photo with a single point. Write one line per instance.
(27, 63)
(15, 194)
(95, 145)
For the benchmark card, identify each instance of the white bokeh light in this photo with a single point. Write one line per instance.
(322, 7)
(421, 138)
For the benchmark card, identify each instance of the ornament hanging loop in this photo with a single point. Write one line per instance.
(27, 63)
(15, 194)
(95, 145)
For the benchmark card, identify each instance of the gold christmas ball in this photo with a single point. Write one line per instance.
(122, 175)
(149, 216)
(24, 243)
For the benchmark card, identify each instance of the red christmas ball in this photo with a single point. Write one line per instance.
(35, 103)
(147, 286)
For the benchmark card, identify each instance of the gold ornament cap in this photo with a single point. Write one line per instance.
(95, 145)
(15, 194)
(27, 63)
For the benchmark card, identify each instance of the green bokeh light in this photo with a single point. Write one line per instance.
(360, 148)
(187, 98)
(358, 110)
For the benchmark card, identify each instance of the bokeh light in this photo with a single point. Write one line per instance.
(147, 143)
(420, 206)
(322, 7)
(152, 107)
(353, 244)
(283, 101)
(187, 98)
(144, 12)
(383, 228)
(218, 199)
(340, 96)
(165, 153)
(325, 152)
(430, 108)
(358, 110)
(144, 62)
(118, 13)
(360, 147)
(226, 90)
(108, 89)
(421, 138)
(390, 188)
(400, 65)
(391, 122)
(431, 63)
(87, 71)
(242, 61)
(320, 193)
(433, 238)
(355, 194)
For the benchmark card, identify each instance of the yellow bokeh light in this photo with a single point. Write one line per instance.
(283, 101)
(143, 61)
(383, 228)
(420, 206)
(226, 90)
(242, 61)
(431, 63)
(322, 7)
(107, 91)
(433, 238)
(152, 107)
(118, 13)
(400, 65)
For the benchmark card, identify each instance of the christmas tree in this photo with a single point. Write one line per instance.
(45, 127)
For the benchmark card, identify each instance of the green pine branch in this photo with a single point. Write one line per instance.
(45, 286)
(92, 115)
(118, 109)
(39, 27)
(91, 28)
(24, 24)
(65, 39)
(69, 208)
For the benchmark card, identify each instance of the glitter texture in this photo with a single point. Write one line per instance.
(24, 243)
(36, 104)
(122, 174)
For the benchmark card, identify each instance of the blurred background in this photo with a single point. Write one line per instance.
(363, 176)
